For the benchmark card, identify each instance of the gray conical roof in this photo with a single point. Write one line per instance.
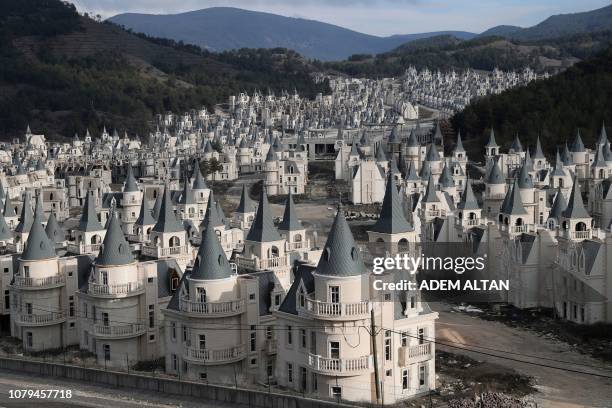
(38, 245)
(211, 262)
(290, 220)
(167, 221)
(446, 178)
(130, 181)
(54, 231)
(186, 196)
(566, 156)
(491, 142)
(9, 211)
(607, 152)
(157, 206)
(5, 230)
(575, 205)
(145, 217)
(558, 170)
(539, 154)
(430, 192)
(391, 220)
(89, 218)
(412, 140)
(198, 180)
(263, 229)
(271, 156)
(599, 161)
(516, 144)
(115, 249)
(211, 218)
(208, 147)
(603, 136)
(432, 153)
(559, 205)
(425, 170)
(459, 146)
(340, 256)
(354, 151)
(524, 179)
(495, 175)
(2, 192)
(468, 199)
(578, 146)
(411, 174)
(380, 154)
(27, 216)
(246, 204)
(513, 202)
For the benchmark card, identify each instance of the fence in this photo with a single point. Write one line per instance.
(206, 392)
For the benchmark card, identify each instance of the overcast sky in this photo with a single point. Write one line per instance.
(378, 17)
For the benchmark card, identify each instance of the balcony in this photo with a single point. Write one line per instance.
(261, 264)
(340, 366)
(577, 234)
(518, 229)
(415, 354)
(39, 283)
(295, 246)
(41, 319)
(215, 356)
(159, 252)
(81, 249)
(116, 289)
(337, 311)
(15, 247)
(119, 331)
(212, 309)
(436, 213)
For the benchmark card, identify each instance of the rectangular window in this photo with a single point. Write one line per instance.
(28, 308)
(253, 341)
(86, 337)
(421, 336)
(6, 270)
(94, 315)
(290, 372)
(251, 296)
(202, 341)
(174, 362)
(313, 381)
(334, 349)
(29, 340)
(7, 300)
(71, 306)
(185, 336)
(173, 330)
(303, 337)
(334, 294)
(268, 332)
(404, 337)
(104, 277)
(105, 320)
(277, 299)
(26, 271)
(422, 375)
(303, 379)
(151, 316)
(388, 345)
(404, 379)
(106, 348)
(336, 392)
(270, 368)
(313, 342)
(85, 310)
(289, 335)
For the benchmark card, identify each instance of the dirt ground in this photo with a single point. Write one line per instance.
(588, 384)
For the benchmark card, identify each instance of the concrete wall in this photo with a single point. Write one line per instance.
(252, 398)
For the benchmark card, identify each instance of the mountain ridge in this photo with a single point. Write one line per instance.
(224, 28)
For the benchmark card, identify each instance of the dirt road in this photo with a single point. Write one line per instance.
(557, 388)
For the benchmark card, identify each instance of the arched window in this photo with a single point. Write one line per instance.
(175, 242)
(95, 239)
(519, 221)
(581, 226)
(297, 237)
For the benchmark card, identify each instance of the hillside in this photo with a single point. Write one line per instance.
(448, 52)
(559, 26)
(63, 73)
(226, 28)
(553, 108)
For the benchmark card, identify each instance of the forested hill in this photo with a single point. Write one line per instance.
(63, 73)
(555, 108)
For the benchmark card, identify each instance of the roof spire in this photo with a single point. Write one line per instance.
(167, 221)
(246, 204)
(115, 250)
(340, 256)
(89, 219)
(468, 199)
(130, 181)
(391, 220)
(38, 245)
(290, 220)
(211, 262)
(262, 229)
(27, 217)
(575, 205)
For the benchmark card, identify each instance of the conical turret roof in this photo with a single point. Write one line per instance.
(290, 220)
(578, 145)
(157, 206)
(340, 256)
(516, 145)
(9, 211)
(130, 181)
(559, 205)
(468, 199)
(446, 178)
(411, 174)
(89, 218)
(524, 179)
(432, 153)
(391, 220)
(115, 249)
(212, 217)
(246, 204)
(38, 245)
(145, 217)
(430, 192)
(380, 154)
(539, 154)
(492, 142)
(603, 136)
(211, 262)
(54, 231)
(495, 175)
(459, 146)
(167, 221)
(575, 205)
(5, 231)
(263, 229)
(198, 180)
(513, 204)
(27, 216)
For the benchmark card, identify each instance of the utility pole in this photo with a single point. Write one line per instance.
(375, 354)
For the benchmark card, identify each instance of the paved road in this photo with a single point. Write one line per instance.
(88, 395)
(556, 388)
